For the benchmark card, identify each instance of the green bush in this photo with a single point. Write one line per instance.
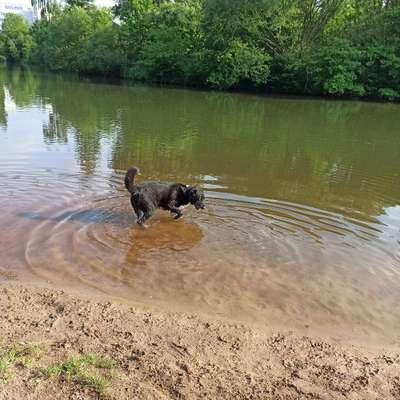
(76, 39)
(102, 53)
(381, 70)
(171, 47)
(335, 69)
(388, 94)
(239, 64)
(15, 39)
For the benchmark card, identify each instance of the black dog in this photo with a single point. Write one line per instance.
(148, 196)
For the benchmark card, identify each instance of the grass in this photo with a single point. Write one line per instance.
(16, 355)
(88, 370)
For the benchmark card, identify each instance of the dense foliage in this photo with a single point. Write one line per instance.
(78, 40)
(15, 40)
(324, 47)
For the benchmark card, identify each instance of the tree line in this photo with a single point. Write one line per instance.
(342, 48)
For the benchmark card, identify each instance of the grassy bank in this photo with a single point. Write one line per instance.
(28, 363)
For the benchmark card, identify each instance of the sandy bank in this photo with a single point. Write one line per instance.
(179, 356)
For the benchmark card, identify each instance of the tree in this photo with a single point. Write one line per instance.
(46, 8)
(64, 39)
(171, 45)
(335, 69)
(315, 15)
(15, 38)
(102, 52)
(234, 35)
(80, 3)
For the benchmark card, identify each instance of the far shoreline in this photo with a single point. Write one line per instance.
(127, 82)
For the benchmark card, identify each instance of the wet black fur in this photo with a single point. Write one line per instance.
(146, 197)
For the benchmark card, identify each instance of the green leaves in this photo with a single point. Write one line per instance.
(167, 50)
(78, 40)
(359, 56)
(16, 41)
(239, 63)
(335, 69)
(234, 36)
(389, 94)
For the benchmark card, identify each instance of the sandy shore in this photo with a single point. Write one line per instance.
(162, 355)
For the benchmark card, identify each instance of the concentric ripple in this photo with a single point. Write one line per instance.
(253, 259)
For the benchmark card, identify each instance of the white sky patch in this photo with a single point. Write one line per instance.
(104, 3)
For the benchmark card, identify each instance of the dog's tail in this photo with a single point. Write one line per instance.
(129, 179)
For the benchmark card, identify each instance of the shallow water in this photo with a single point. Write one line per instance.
(302, 221)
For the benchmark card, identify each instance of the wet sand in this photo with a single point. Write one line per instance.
(164, 355)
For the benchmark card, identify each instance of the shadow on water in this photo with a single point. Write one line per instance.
(178, 236)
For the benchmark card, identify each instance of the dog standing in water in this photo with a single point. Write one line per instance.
(146, 197)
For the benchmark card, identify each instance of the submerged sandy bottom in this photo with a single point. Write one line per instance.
(265, 263)
(164, 355)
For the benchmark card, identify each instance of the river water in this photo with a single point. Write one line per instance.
(302, 221)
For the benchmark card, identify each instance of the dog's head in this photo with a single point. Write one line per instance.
(196, 197)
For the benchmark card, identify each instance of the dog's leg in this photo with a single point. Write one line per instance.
(146, 215)
(178, 214)
(139, 213)
(140, 217)
(175, 210)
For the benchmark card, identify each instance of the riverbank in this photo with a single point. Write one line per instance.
(162, 355)
(320, 53)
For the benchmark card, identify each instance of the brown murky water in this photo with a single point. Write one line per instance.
(302, 226)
